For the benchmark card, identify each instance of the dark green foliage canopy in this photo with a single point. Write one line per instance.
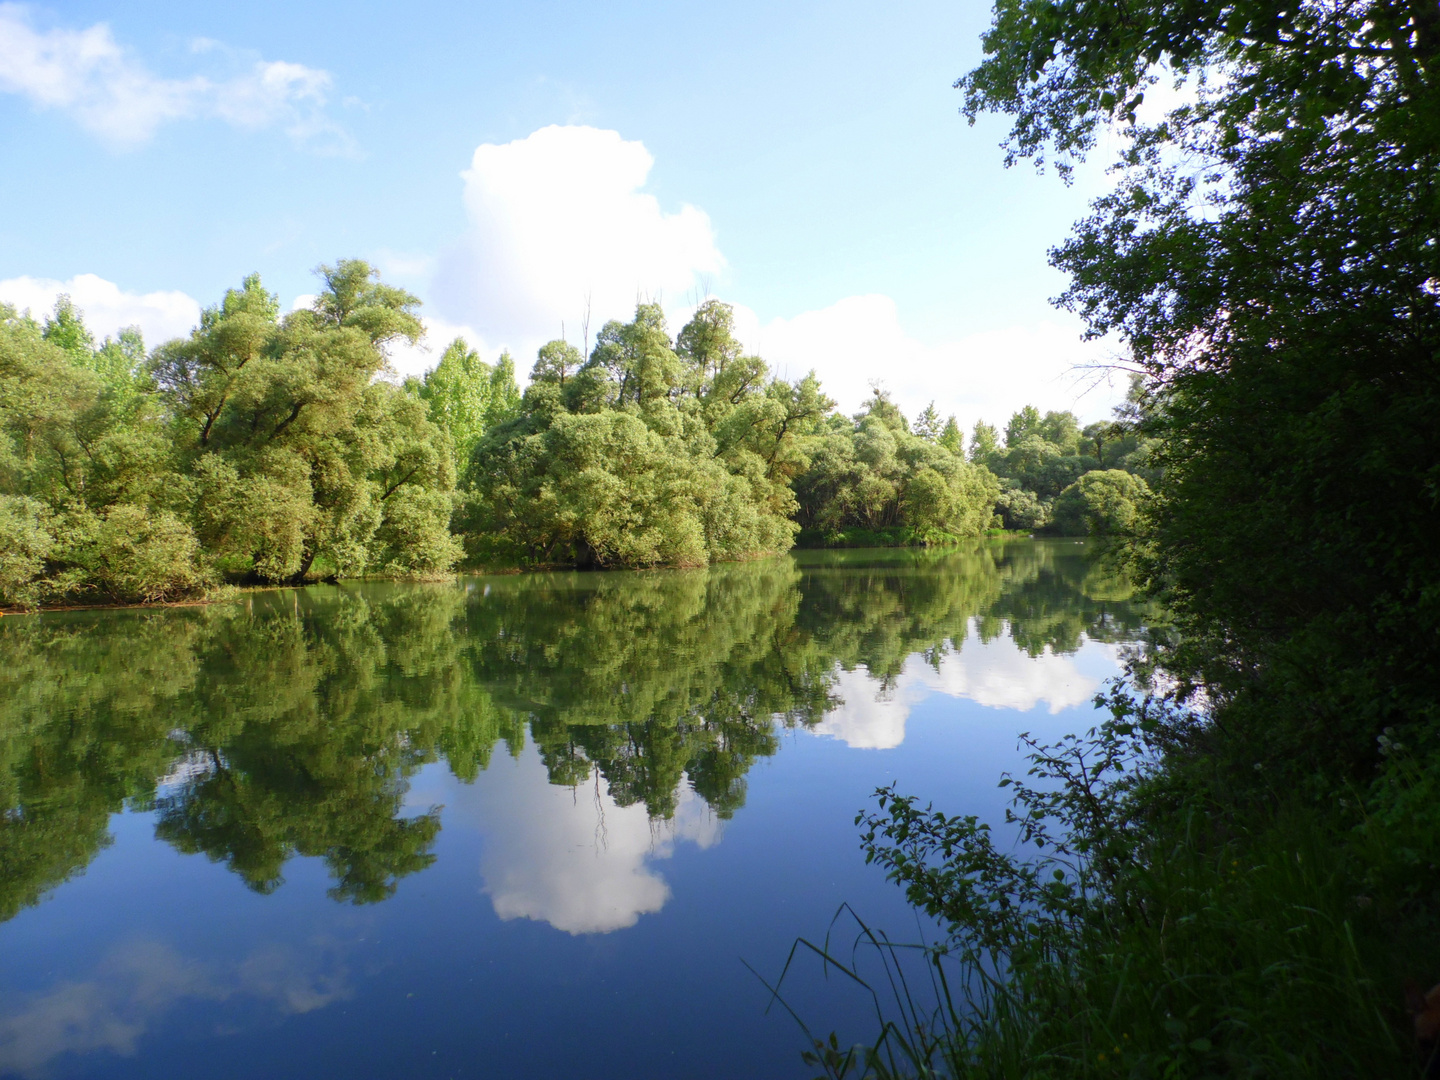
(1270, 254)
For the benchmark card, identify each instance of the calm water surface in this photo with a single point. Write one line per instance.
(519, 826)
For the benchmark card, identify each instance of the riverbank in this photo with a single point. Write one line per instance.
(226, 593)
(1210, 914)
(899, 536)
(852, 539)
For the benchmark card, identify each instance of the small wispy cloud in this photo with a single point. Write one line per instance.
(109, 92)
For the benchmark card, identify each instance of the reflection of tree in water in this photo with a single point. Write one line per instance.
(83, 727)
(651, 677)
(290, 723)
(312, 719)
(1059, 593)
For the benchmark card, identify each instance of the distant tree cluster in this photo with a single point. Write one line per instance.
(1057, 477)
(266, 448)
(650, 452)
(872, 478)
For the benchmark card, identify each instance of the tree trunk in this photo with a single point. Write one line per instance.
(307, 558)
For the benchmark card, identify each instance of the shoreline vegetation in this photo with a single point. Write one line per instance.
(1235, 874)
(270, 450)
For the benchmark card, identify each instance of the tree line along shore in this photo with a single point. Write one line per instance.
(268, 449)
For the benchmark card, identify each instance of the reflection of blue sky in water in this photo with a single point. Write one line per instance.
(574, 859)
(996, 674)
(136, 983)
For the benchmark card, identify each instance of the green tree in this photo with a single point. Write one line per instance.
(984, 443)
(950, 437)
(872, 473)
(556, 361)
(91, 507)
(1103, 502)
(645, 455)
(1022, 509)
(466, 396)
(65, 328)
(297, 451)
(1268, 257)
(927, 424)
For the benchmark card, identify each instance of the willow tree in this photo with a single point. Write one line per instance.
(652, 452)
(297, 452)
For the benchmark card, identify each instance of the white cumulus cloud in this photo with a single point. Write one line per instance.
(87, 74)
(983, 376)
(558, 220)
(106, 307)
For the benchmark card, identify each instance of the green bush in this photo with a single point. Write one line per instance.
(1140, 930)
(1022, 509)
(26, 540)
(1104, 502)
(871, 473)
(127, 555)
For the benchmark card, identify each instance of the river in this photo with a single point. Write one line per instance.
(512, 826)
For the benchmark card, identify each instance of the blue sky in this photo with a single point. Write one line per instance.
(805, 162)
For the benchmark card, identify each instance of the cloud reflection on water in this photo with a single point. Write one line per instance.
(572, 857)
(137, 982)
(995, 673)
